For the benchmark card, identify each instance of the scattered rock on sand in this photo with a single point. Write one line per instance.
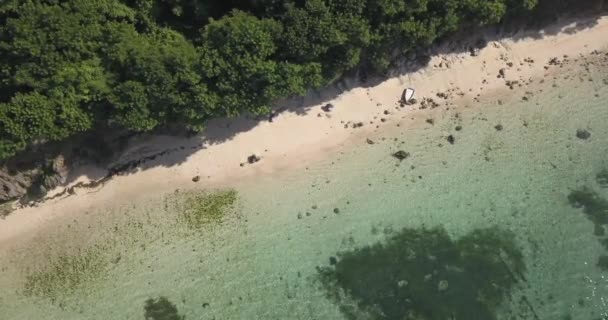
(358, 125)
(401, 155)
(328, 107)
(196, 179)
(253, 159)
(369, 141)
(498, 127)
(458, 128)
(501, 73)
(336, 210)
(583, 134)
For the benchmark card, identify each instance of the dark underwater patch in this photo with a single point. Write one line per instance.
(595, 208)
(161, 309)
(424, 274)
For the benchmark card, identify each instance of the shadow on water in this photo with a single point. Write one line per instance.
(425, 274)
(595, 208)
(161, 309)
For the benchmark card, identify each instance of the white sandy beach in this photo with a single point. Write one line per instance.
(295, 140)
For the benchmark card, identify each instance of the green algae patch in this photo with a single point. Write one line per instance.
(161, 309)
(65, 274)
(198, 210)
(424, 274)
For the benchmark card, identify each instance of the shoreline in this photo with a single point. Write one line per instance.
(293, 141)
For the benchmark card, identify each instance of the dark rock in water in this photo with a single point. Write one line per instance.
(253, 159)
(328, 107)
(602, 178)
(333, 260)
(458, 128)
(369, 141)
(161, 309)
(336, 210)
(196, 179)
(583, 134)
(594, 206)
(602, 262)
(498, 127)
(467, 278)
(451, 139)
(401, 155)
(598, 230)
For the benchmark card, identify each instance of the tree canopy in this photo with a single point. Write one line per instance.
(70, 66)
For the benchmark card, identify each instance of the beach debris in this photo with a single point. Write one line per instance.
(451, 139)
(401, 155)
(443, 285)
(196, 178)
(583, 134)
(328, 107)
(407, 95)
(369, 141)
(253, 159)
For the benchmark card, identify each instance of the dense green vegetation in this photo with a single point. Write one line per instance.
(70, 66)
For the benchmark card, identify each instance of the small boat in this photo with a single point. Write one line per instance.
(408, 94)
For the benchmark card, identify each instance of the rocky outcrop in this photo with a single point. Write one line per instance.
(34, 180)
(14, 186)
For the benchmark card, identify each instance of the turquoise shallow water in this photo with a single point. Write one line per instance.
(263, 261)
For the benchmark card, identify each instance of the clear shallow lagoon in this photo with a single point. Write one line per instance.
(264, 260)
